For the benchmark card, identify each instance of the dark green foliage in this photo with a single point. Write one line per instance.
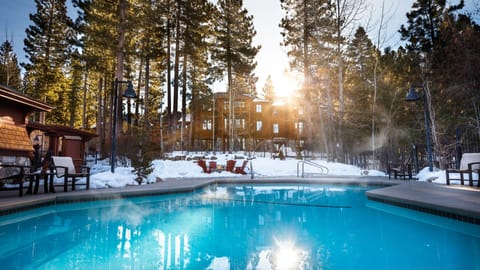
(234, 53)
(47, 46)
(9, 68)
(140, 150)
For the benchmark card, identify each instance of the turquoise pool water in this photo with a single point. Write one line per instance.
(238, 227)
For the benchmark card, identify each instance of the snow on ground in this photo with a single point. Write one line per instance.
(262, 166)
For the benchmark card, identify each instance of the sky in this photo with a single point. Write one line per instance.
(272, 58)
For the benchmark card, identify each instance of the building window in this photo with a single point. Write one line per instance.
(240, 104)
(275, 128)
(225, 122)
(259, 125)
(259, 108)
(207, 124)
(240, 123)
(300, 127)
(225, 105)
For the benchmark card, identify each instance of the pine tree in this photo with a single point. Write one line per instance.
(268, 90)
(140, 152)
(48, 49)
(46, 44)
(308, 35)
(198, 43)
(234, 53)
(422, 34)
(360, 63)
(150, 43)
(9, 68)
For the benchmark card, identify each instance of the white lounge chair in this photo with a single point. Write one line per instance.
(469, 164)
(65, 168)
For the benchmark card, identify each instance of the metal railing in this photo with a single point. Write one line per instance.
(324, 170)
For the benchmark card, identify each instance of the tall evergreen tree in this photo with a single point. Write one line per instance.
(47, 48)
(268, 90)
(46, 45)
(9, 68)
(455, 74)
(234, 53)
(422, 35)
(308, 34)
(150, 50)
(360, 63)
(198, 43)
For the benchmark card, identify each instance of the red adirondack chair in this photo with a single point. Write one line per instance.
(231, 165)
(241, 169)
(203, 164)
(212, 166)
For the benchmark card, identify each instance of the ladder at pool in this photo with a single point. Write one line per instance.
(324, 170)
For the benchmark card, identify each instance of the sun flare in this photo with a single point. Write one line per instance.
(286, 84)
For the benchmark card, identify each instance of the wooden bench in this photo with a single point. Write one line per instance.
(469, 164)
(64, 167)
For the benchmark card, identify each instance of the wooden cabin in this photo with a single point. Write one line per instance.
(15, 108)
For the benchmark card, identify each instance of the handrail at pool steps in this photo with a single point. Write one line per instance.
(310, 163)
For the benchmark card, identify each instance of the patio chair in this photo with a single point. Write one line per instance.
(402, 170)
(241, 169)
(231, 165)
(11, 176)
(469, 164)
(65, 169)
(212, 166)
(203, 164)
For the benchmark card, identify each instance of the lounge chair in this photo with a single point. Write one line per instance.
(65, 168)
(469, 164)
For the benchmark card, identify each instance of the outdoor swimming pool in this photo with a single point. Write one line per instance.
(238, 227)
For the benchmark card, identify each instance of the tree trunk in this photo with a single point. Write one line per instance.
(139, 86)
(84, 109)
(120, 58)
(184, 92)
(100, 125)
(169, 68)
(146, 98)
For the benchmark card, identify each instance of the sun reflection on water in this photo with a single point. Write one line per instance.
(287, 255)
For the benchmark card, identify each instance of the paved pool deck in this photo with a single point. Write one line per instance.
(455, 201)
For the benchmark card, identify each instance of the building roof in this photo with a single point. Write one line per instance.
(9, 94)
(59, 130)
(14, 137)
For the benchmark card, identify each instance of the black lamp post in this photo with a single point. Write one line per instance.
(412, 95)
(129, 93)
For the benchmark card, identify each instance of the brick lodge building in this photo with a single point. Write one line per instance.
(258, 125)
